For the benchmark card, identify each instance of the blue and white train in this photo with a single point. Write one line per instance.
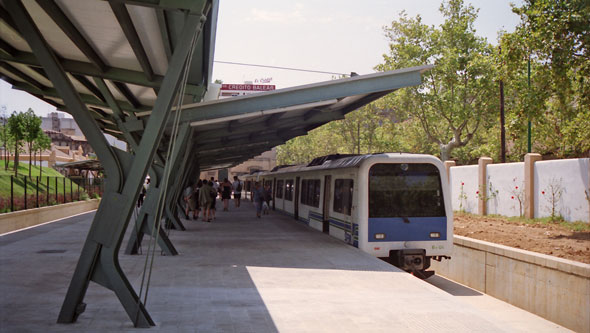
(394, 206)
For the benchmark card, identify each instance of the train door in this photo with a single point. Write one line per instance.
(296, 199)
(326, 205)
(274, 192)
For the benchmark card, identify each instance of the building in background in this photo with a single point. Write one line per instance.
(263, 162)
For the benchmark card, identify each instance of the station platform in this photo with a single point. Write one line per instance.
(243, 274)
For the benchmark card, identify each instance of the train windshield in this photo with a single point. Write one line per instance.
(405, 190)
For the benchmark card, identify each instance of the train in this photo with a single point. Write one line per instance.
(394, 206)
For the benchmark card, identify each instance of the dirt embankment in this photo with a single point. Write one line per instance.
(546, 238)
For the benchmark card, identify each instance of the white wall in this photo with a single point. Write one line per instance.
(570, 177)
(505, 178)
(466, 175)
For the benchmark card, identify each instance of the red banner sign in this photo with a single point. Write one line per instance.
(248, 87)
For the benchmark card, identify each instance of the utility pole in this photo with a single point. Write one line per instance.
(529, 112)
(502, 128)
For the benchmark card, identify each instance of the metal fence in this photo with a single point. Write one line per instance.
(34, 192)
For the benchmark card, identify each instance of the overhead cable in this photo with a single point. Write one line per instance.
(277, 67)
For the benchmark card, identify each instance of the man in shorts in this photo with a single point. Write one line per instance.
(205, 200)
(237, 188)
(190, 202)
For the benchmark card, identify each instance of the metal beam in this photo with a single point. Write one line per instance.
(96, 262)
(87, 99)
(90, 86)
(126, 92)
(358, 85)
(25, 77)
(7, 48)
(154, 203)
(164, 31)
(112, 73)
(99, 258)
(193, 6)
(126, 24)
(5, 16)
(58, 16)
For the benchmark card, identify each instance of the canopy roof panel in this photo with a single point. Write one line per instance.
(128, 43)
(116, 53)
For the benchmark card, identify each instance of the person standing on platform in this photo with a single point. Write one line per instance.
(267, 199)
(237, 188)
(189, 199)
(258, 198)
(214, 192)
(226, 194)
(215, 185)
(205, 200)
(196, 198)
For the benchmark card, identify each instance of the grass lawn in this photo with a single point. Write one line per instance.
(23, 170)
(53, 187)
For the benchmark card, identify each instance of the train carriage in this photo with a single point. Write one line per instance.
(394, 206)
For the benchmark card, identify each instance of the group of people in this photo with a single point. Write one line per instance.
(203, 195)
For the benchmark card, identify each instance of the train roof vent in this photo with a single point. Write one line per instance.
(278, 167)
(323, 159)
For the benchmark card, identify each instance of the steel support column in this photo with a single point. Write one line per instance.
(99, 258)
(155, 202)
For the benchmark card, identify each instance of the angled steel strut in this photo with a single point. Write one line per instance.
(125, 173)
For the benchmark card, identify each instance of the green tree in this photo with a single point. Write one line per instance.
(555, 36)
(42, 142)
(17, 133)
(303, 149)
(32, 130)
(4, 138)
(458, 95)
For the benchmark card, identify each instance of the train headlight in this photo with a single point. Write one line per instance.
(404, 167)
(379, 236)
(435, 235)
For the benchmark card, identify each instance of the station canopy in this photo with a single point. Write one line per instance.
(116, 53)
(140, 70)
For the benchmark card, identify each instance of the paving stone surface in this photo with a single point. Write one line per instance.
(243, 274)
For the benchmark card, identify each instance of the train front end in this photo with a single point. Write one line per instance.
(406, 210)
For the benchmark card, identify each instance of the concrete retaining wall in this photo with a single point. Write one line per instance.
(551, 287)
(31, 217)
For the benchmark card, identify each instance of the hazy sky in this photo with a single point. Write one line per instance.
(339, 36)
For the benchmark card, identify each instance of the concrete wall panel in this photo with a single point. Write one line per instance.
(551, 287)
(508, 180)
(466, 200)
(570, 177)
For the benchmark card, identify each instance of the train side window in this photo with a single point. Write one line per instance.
(343, 189)
(279, 194)
(304, 191)
(316, 192)
(289, 189)
(310, 192)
